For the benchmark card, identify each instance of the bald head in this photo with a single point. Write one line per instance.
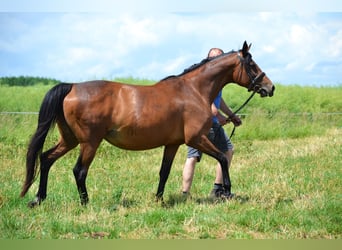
(215, 52)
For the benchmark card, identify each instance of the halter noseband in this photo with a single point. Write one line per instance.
(254, 80)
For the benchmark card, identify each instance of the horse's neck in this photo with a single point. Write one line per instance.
(214, 76)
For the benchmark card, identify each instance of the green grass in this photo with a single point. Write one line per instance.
(286, 173)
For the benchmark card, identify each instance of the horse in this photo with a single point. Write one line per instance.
(169, 113)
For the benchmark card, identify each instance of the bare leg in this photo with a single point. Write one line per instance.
(188, 173)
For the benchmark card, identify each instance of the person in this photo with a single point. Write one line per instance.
(217, 136)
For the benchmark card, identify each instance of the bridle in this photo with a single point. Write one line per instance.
(254, 84)
(255, 80)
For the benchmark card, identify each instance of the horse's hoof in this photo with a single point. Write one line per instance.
(159, 199)
(84, 202)
(33, 204)
(227, 196)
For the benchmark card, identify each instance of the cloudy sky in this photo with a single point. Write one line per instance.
(79, 40)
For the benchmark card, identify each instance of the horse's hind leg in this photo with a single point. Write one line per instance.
(80, 170)
(47, 159)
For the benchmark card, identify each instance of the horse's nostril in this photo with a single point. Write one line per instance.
(263, 92)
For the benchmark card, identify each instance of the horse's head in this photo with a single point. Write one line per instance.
(249, 75)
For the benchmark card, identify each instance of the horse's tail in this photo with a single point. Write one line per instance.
(50, 109)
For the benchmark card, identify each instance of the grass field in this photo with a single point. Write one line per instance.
(286, 173)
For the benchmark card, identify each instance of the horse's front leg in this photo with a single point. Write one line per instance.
(168, 156)
(225, 176)
(222, 159)
(204, 144)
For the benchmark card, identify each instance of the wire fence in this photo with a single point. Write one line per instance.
(242, 114)
(18, 113)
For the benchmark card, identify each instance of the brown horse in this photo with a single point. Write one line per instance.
(174, 111)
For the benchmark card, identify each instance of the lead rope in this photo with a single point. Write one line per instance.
(241, 107)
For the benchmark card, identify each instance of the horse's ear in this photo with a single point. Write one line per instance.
(245, 48)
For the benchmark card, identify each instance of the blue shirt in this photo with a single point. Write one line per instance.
(217, 103)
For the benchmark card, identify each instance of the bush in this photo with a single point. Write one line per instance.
(27, 81)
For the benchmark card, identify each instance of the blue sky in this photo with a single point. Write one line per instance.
(79, 40)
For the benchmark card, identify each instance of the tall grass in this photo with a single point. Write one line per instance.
(286, 174)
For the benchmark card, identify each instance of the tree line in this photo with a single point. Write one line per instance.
(27, 81)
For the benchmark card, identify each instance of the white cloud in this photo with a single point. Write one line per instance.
(134, 33)
(80, 46)
(78, 55)
(335, 45)
(269, 49)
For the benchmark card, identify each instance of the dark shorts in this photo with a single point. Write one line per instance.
(218, 137)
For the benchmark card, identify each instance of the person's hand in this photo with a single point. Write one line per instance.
(235, 120)
(222, 120)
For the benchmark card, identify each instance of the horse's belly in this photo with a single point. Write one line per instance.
(132, 140)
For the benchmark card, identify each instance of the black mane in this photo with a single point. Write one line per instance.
(197, 65)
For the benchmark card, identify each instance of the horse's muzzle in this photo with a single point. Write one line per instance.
(264, 92)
